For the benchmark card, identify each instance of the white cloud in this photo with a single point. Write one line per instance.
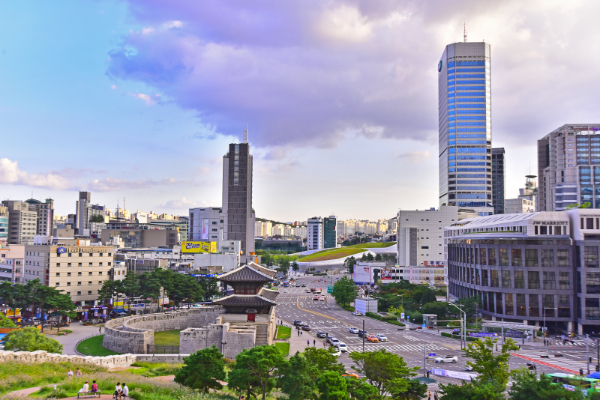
(146, 31)
(172, 24)
(112, 184)
(113, 87)
(415, 156)
(11, 174)
(183, 203)
(150, 100)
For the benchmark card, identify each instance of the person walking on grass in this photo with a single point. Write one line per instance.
(78, 373)
(70, 374)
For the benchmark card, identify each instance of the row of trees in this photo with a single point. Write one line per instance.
(179, 288)
(282, 262)
(36, 296)
(314, 374)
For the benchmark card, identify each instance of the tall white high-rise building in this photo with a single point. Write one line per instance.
(465, 125)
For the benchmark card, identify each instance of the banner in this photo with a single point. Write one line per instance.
(453, 374)
(386, 274)
(199, 247)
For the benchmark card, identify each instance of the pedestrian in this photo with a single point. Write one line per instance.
(435, 396)
(308, 342)
(314, 342)
(429, 395)
(324, 344)
(70, 373)
(78, 373)
(99, 329)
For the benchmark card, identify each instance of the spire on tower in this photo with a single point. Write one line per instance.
(246, 133)
(465, 31)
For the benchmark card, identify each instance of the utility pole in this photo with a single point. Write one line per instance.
(363, 336)
(424, 365)
(587, 354)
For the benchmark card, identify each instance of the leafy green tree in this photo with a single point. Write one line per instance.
(475, 390)
(332, 386)
(322, 360)
(378, 257)
(526, 386)
(344, 291)
(468, 305)
(397, 311)
(131, 287)
(6, 322)
(297, 380)
(110, 290)
(62, 305)
(415, 390)
(149, 287)
(349, 263)
(359, 389)
(97, 218)
(263, 365)
(295, 266)
(370, 257)
(384, 370)
(438, 308)
(423, 295)
(490, 367)
(209, 288)
(202, 370)
(31, 339)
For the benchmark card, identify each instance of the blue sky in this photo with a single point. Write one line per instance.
(139, 98)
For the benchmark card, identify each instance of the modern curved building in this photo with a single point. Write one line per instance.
(529, 267)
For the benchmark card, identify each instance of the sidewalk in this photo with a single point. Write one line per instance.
(298, 343)
(80, 332)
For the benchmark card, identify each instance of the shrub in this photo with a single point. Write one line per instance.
(391, 320)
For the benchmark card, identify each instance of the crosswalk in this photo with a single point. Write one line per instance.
(398, 347)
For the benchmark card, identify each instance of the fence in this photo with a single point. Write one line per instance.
(85, 338)
(154, 349)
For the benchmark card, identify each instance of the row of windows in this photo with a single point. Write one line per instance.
(467, 136)
(467, 124)
(459, 88)
(470, 70)
(78, 274)
(468, 118)
(451, 64)
(81, 264)
(467, 150)
(468, 100)
(531, 257)
(80, 254)
(516, 279)
(466, 130)
(79, 283)
(473, 82)
(453, 143)
(471, 188)
(466, 157)
(466, 76)
(466, 169)
(453, 106)
(454, 94)
(460, 112)
(466, 164)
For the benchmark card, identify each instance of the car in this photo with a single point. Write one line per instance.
(305, 327)
(298, 322)
(336, 352)
(322, 298)
(334, 342)
(329, 339)
(342, 346)
(307, 291)
(353, 330)
(372, 338)
(357, 313)
(362, 333)
(303, 285)
(446, 359)
(321, 335)
(381, 337)
(316, 298)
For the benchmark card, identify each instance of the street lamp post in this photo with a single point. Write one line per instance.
(463, 323)
(546, 308)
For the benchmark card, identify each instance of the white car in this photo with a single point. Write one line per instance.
(322, 298)
(337, 352)
(354, 330)
(446, 359)
(342, 346)
(381, 337)
(357, 313)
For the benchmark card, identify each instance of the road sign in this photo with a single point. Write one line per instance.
(432, 354)
(402, 315)
(424, 326)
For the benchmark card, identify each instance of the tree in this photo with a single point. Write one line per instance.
(475, 390)
(349, 263)
(295, 266)
(202, 370)
(397, 311)
(131, 287)
(384, 370)
(490, 367)
(149, 287)
(6, 322)
(438, 308)
(209, 288)
(370, 257)
(262, 364)
(378, 257)
(322, 360)
(109, 290)
(297, 380)
(468, 305)
(31, 339)
(359, 389)
(62, 304)
(332, 386)
(344, 291)
(526, 386)
(423, 295)
(97, 218)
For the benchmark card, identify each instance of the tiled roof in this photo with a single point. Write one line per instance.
(249, 273)
(250, 300)
(269, 294)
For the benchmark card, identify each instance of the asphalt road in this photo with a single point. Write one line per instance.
(327, 316)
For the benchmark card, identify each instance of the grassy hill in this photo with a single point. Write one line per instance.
(341, 252)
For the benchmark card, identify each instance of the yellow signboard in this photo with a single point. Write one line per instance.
(199, 247)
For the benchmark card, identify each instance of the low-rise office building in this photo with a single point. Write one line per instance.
(366, 273)
(529, 267)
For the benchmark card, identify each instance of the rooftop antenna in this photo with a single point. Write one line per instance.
(246, 132)
(465, 31)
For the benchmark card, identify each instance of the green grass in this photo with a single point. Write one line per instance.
(149, 369)
(331, 254)
(167, 338)
(140, 388)
(378, 245)
(93, 347)
(283, 332)
(283, 347)
(340, 252)
(17, 375)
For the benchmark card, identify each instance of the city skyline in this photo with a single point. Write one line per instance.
(99, 86)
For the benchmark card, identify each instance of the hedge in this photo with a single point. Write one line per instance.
(393, 321)
(469, 338)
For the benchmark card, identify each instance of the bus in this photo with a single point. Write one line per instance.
(574, 382)
(286, 284)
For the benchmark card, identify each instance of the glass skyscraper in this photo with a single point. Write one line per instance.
(465, 128)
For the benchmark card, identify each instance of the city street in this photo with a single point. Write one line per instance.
(327, 316)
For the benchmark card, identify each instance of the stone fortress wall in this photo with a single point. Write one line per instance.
(134, 334)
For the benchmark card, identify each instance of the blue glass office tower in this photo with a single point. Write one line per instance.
(465, 128)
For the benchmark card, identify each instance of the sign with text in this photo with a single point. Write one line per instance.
(199, 247)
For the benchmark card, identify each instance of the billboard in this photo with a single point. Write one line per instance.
(199, 247)
(386, 274)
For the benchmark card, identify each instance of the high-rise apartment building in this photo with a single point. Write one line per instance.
(22, 222)
(314, 233)
(569, 167)
(465, 127)
(85, 211)
(498, 179)
(45, 215)
(329, 232)
(237, 196)
(3, 226)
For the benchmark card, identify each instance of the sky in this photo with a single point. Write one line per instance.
(137, 100)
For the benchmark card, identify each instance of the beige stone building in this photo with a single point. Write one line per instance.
(79, 271)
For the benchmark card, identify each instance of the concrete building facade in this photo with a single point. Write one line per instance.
(465, 131)
(84, 211)
(22, 222)
(314, 233)
(498, 179)
(45, 215)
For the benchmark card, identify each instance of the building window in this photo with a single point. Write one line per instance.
(503, 257)
(80, 265)
(563, 258)
(78, 293)
(69, 254)
(484, 278)
(483, 256)
(547, 258)
(592, 309)
(100, 283)
(80, 254)
(509, 305)
(494, 275)
(591, 256)
(499, 303)
(492, 256)
(521, 310)
(58, 264)
(549, 280)
(68, 283)
(534, 279)
(593, 282)
(89, 283)
(534, 305)
(564, 306)
(79, 274)
(548, 301)
(519, 280)
(90, 264)
(517, 259)
(109, 264)
(506, 279)
(89, 292)
(90, 273)
(78, 283)
(531, 258)
(563, 281)
(100, 273)
(68, 274)
(58, 274)
(100, 264)
(68, 264)
(57, 284)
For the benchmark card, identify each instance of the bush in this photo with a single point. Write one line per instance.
(416, 317)
(30, 339)
(469, 339)
(392, 320)
(347, 308)
(150, 369)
